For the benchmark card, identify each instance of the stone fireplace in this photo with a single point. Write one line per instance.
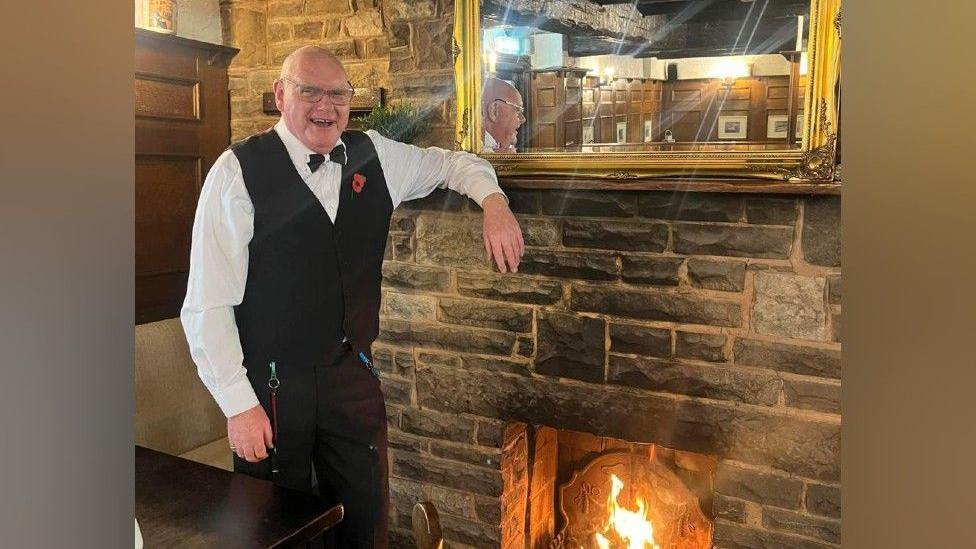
(701, 329)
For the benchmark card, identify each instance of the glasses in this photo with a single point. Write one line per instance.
(311, 94)
(519, 109)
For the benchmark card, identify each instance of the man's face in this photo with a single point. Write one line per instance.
(508, 109)
(318, 125)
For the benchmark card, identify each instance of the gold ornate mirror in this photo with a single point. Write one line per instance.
(619, 92)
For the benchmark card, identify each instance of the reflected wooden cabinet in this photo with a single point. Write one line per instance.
(555, 108)
(182, 124)
(622, 108)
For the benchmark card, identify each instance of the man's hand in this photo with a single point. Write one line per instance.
(502, 234)
(249, 433)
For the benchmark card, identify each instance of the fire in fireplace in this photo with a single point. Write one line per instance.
(632, 500)
(565, 489)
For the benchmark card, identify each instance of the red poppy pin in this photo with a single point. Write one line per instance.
(358, 182)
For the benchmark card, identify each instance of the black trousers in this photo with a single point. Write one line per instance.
(332, 441)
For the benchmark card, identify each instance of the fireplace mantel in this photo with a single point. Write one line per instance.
(746, 186)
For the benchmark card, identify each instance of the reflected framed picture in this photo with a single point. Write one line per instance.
(777, 126)
(648, 131)
(621, 132)
(732, 126)
(799, 127)
(587, 134)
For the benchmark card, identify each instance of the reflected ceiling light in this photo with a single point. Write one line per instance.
(728, 70)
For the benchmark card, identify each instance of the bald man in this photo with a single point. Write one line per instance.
(282, 304)
(502, 114)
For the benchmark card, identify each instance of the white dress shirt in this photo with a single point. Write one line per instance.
(224, 224)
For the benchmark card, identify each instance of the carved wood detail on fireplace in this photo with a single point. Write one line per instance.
(672, 509)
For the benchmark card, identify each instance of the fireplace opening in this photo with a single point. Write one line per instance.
(567, 489)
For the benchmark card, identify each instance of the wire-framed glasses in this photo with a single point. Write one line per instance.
(312, 94)
(519, 109)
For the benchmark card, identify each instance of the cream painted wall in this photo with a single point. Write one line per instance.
(688, 68)
(196, 19)
(547, 50)
(703, 67)
(622, 66)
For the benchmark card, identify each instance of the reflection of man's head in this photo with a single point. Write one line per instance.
(502, 112)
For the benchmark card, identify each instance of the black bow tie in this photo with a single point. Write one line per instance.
(338, 155)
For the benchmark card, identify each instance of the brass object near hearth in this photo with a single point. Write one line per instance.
(806, 158)
(673, 510)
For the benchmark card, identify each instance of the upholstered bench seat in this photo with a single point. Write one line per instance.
(174, 412)
(217, 453)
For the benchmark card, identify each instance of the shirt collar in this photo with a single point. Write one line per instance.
(297, 151)
(490, 144)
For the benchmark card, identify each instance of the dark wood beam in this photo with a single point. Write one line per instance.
(585, 46)
(612, 2)
(709, 9)
(719, 38)
(693, 27)
(724, 10)
(674, 8)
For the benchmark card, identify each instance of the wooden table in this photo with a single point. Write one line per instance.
(181, 503)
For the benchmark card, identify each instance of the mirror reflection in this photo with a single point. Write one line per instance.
(643, 75)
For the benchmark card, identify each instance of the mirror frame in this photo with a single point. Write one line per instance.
(809, 168)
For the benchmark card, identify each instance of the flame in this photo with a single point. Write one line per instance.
(632, 527)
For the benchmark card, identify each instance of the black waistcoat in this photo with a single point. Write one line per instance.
(311, 281)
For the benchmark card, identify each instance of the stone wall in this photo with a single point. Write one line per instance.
(403, 46)
(702, 322)
(422, 63)
(266, 31)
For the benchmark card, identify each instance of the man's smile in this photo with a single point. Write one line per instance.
(322, 122)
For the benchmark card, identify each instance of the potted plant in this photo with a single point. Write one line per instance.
(401, 122)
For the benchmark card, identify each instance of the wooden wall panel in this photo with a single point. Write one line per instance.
(167, 98)
(572, 112)
(591, 106)
(651, 108)
(165, 197)
(545, 96)
(604, 132)
(635, 126)
(685, 125)
(621, 108)
(684, 106)
(182, 124)
(689, 108)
